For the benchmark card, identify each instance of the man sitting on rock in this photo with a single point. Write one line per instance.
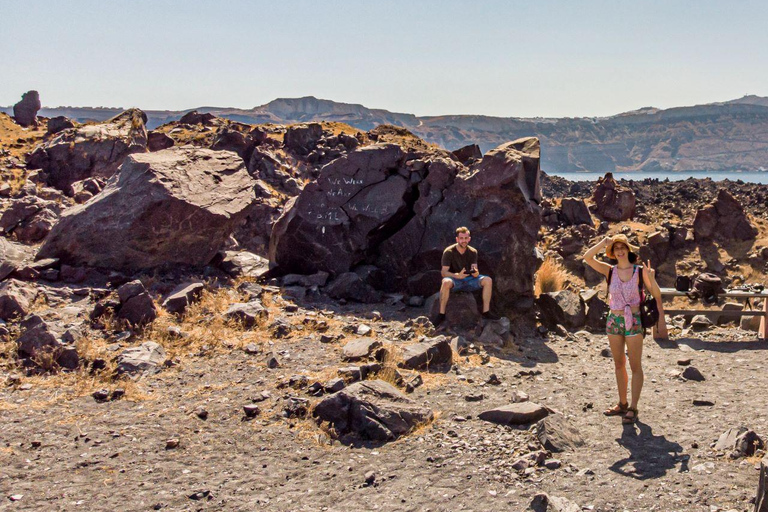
(460, 273)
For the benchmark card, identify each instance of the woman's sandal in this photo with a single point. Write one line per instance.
(619, 409)
(627, 419)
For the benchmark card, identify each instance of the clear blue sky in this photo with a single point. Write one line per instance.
(503, 58)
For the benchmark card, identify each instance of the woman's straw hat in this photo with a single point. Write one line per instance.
(620, 238)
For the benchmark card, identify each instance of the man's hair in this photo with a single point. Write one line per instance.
(462, 229)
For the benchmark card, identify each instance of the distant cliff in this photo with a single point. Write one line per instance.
(728, 136)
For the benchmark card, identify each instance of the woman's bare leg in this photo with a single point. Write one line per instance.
(635, 353)
(616, 342)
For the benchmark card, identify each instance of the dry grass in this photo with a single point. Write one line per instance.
(551, 277)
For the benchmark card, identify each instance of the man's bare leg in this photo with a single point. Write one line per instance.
(445, 293)
(487, 285)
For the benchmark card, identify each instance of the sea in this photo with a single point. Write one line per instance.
(745, 176)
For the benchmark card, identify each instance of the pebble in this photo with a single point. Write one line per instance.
(251, 411)
(684, 362)
(370, 478)
(251, 349)
(172, 443)
(201, 413)
(703, 403)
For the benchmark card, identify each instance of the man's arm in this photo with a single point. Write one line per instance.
(446, 273)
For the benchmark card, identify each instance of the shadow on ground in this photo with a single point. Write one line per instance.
(650, 456)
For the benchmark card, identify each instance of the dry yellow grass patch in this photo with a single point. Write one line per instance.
(551, 277)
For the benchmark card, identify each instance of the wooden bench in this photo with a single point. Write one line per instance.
(728, 294)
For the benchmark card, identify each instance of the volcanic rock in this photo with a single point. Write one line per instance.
(58, 124)
(15, 298)
(90, 150)
(12, 257)
(157, 141)
(242, 264)
(563, 307)
(302, 138)
(724, 219)
(574, 211)
(430, 352)
(182, 296)
(515, 414)
(25, 111)
(145, 358)
(248, 313)
(596, 310)
(468, 155)
(350, 286)
(556, 434)
(361, 348)
(461, 312)
(193, 117)
(613, 201)
(175, 206)
(375, 410)
(545, 503)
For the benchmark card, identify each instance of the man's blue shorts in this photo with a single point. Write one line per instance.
(468, 284)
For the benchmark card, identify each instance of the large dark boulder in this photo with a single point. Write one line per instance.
(90, 150)
(563, 307)
(175, 206)
(303, 138)
(574, 211)
(374, 410)
(25, 111)
(399, 208)
(613, 202)
(725, 219)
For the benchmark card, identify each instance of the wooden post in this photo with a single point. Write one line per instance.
(659, 330)
(761, 501)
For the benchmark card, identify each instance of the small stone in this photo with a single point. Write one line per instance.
(15, 497)
(703, 403)
(201, 413)
(552, 464)
(172, 443)
(692, 373)
(200, 495)
(493, 380)
(370, 478)
(251, 411)
(324, 338)
(117, 394)
(519, 396)
(363, 330)
(606, 352)
(101, 395)
(251, 349)
(272, 361)
(684, 362)
(476, 397)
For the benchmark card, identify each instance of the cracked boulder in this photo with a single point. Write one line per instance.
(398, 208)
(613, 201)
(90, 150)
(173, 207)
(373, 410)
(724, 219)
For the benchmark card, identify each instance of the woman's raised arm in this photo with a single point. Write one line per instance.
(589, 257)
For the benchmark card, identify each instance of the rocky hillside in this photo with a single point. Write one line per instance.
(219, 315)
(727, 136)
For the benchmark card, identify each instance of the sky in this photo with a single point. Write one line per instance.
(502, 58)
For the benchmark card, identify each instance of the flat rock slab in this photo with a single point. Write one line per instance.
(145, 358)
(515, 414)
(361, 348)
(182, 296)
(374, 410)
(431, 352)
(556, 434)
(249, 313)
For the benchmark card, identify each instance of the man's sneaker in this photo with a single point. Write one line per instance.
(490, 316)
(439, 320)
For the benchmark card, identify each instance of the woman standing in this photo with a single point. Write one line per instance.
(623, 326)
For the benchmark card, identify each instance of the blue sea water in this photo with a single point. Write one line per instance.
(746, 176)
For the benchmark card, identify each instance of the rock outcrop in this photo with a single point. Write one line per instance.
(90, 150)
(398, 209)
(613, 202)
(725, 219)
(25, 111)
(374, 410)
(175, 206)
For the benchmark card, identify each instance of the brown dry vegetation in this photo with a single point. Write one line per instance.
(550, 277)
